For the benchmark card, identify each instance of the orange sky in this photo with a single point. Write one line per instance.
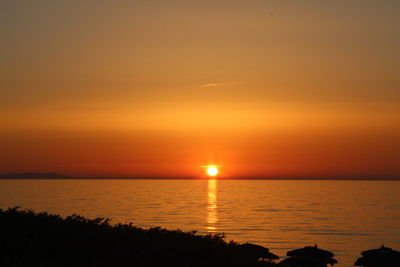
(160, 88)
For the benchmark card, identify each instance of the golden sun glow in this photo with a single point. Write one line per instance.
(212, 170)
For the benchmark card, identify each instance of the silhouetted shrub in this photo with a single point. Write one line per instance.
(41, 239)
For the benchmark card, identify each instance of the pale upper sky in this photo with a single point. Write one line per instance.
(158, 88)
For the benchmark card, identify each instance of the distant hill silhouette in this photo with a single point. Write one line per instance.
(34, 175)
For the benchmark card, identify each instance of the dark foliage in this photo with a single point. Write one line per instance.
(41, 239)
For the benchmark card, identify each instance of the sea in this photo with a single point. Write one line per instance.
(345, 217)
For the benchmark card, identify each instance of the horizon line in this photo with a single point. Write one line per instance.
(55, 176)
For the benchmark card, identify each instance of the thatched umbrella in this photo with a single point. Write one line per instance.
(257, 252)
(382, 256)
(310, 256)
(311, 251)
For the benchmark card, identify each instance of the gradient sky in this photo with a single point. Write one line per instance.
(160, 88)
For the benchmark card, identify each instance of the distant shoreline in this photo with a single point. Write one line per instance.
(54, 176)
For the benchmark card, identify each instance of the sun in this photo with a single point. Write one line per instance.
(212, 170)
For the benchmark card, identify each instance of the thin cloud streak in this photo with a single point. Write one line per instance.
(207, 85)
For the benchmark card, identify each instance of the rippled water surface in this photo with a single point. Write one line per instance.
(345, 217)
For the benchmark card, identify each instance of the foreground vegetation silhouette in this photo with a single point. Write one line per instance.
(41, 239)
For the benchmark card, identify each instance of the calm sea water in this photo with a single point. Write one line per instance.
(345, 217)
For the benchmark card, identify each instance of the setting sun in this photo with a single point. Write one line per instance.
(212, 170)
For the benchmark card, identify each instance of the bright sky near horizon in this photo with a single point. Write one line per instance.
(161, 88)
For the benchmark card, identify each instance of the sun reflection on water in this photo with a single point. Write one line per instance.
(212, 216)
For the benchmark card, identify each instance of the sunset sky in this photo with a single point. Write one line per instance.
(275, 89)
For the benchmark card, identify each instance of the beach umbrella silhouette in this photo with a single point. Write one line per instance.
(382, 256)
(257, 252)
(309, 256)
(312, 251)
